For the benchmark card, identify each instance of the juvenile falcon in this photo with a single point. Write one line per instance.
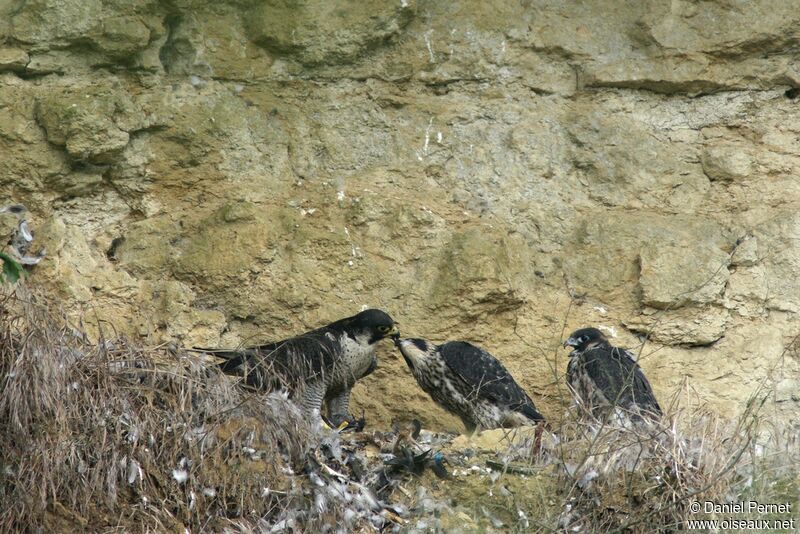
(318, 367)
(604, 378)
(470, 383)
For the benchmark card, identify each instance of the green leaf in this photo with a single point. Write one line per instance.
(11, 269)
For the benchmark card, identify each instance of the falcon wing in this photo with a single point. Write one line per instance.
(620, 378)
(489, 378)
(295, 359)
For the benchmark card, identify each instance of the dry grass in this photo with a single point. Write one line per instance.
(111, 435)
(605, 478)
(644, 479)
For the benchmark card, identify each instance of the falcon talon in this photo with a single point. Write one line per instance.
(324, 423)
(343, 426)
(352, 425)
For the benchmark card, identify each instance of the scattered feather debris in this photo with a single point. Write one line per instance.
(167, 440)
(20, 241)
(180, 475)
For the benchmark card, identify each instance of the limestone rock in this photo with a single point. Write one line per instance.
(145, 249)
(14, 59)
(672, 276)
(746, 252)
(44, 21)
(47, 24)
(497, 440)
(470, 260)
(611, 251)
(53, 62)
(623, 160)
(752, 347)
(786, 391)
(123, 36)
(738, 31)
(779, 256)
(77, 273)
(226, 245)
(748, 290)
(25, 156)
(726, 163)
(8, 225)
(314, 31)
(701, 325)
(77, 183)
(218, 47)
(84, 124)
(175, 314)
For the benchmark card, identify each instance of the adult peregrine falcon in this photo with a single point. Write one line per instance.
(318, 367)
(470, 383)
(606, 380)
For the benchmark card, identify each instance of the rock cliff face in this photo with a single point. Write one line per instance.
(217, 173)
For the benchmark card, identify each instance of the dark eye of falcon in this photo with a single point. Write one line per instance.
(383, 328)
(583, 339)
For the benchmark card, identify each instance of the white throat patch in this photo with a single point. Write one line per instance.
(413, 352)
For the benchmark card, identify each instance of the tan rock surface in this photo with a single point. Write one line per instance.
(235, 172)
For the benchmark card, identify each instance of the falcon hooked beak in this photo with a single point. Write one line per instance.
(571, 342)
(585, 338)
(393, 333)
(396, 338)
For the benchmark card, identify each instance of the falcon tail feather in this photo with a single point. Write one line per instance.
(234, 359)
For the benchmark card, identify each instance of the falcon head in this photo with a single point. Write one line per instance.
(415, 350)
(585, 338)
(373, 325)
